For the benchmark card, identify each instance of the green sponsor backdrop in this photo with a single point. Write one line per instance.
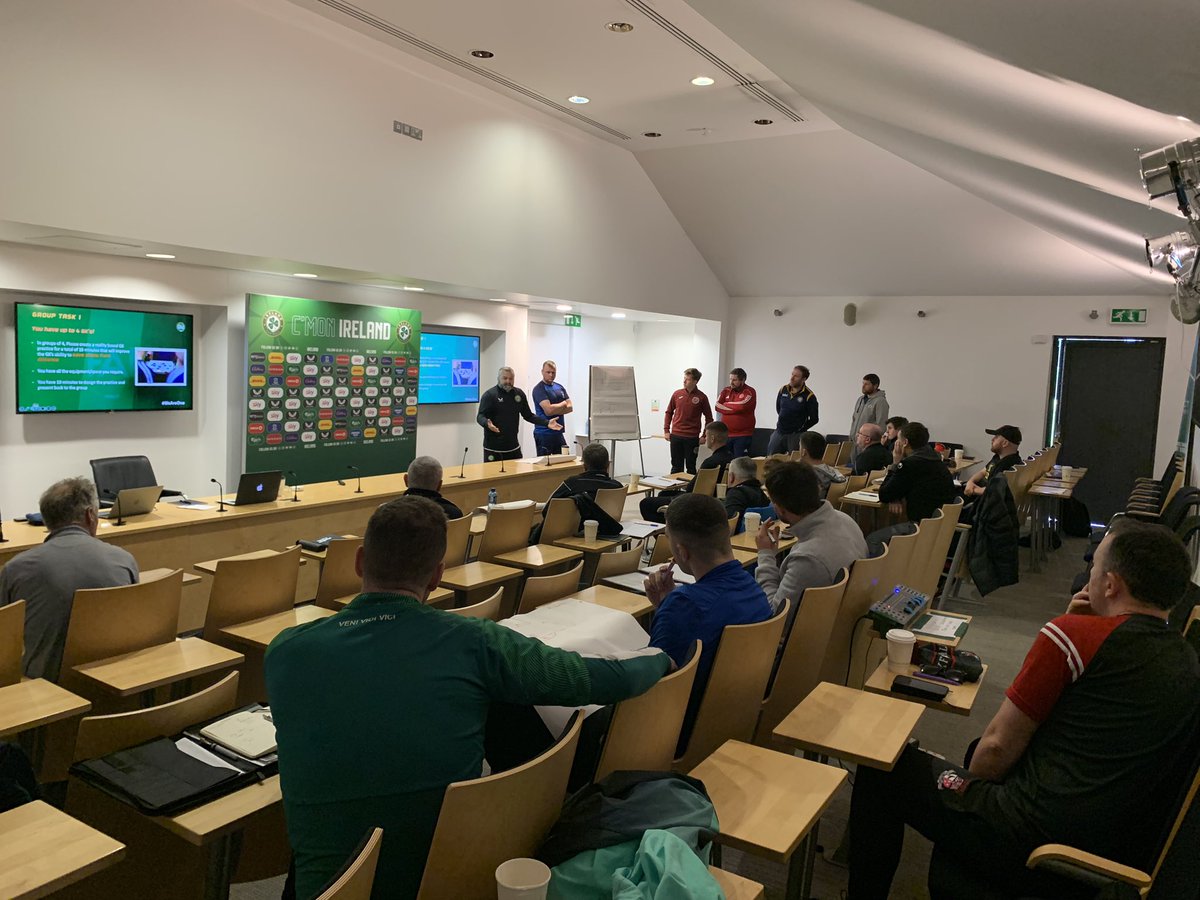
(330, 385)
(80, 359)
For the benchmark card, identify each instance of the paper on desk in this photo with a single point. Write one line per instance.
(658, 481)
(194, 750)
(869, 496)
(677, 574)
(940, 626)
(192, 504)
(640, 528)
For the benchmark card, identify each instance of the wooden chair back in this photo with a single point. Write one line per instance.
(939, 548)
(561, 521)
(865, 586)
(919, 563)
(662, 550)
(854, 483)
(837, 490)
(458, 536)
(102, 735)
(540, 590)
(705, 482)
(644, 731)
(618, 562)
(358, 878)
(736, 687)
(245, 589)
(338, 578)
(612, 501)
(733, 524)
(12, 642)
(507, 529)
(832, 450)
(803, 654)
(488, 820)
(486, 609)
(110, 621)
(900, 555)
(845, 451)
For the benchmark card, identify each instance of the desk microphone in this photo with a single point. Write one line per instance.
(463, 472)
(509, 450)
(354, 469)
(295, 486)
(220, 496)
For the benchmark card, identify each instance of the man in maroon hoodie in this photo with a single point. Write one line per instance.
(681, 425)
(736, 405)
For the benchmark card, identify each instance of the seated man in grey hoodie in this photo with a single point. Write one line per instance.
(812, 451)
(826, 539)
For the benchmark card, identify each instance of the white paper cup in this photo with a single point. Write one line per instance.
(522, 879)
(634, 480)
(590, 529)
(900, 649)
(752, 520)
(1066, 471)
(565, 451)
(721, 491)
(958, 456)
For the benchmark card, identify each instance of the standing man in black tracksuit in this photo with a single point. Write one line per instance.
(917, 484)
(500, 410)
(798, 411)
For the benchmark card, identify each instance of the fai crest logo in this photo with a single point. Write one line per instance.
(695, 400)
(405, 331)
(272, 322)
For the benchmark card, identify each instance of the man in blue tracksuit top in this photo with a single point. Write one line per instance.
(797, 409)
(551, 400)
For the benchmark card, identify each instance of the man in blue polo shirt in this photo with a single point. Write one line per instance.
(724, 592)
(551, 400)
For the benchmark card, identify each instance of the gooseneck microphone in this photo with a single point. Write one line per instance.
(463, 471)
(354, 469)
(220, 495)
(295, 486)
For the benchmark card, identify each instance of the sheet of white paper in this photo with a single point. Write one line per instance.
(679, 576)
(194, 750)
(863, 495)
(628, 581)
(941, 626)
(641, 529)
(192, 504)
(659, 481)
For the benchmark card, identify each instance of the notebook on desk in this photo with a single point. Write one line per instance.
(257, 487)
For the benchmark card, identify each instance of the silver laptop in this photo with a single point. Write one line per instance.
(257, 487)
(133, 502)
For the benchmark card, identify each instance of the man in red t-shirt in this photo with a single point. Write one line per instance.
(736, 405)
(1092, 742)
(681, 424)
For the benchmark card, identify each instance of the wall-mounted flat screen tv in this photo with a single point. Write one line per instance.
(449, 368)
(102, 359)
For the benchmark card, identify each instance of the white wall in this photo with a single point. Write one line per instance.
(187, 448)
(257, 127)
(968, 365)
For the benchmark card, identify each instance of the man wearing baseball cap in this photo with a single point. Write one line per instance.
(1006, 453)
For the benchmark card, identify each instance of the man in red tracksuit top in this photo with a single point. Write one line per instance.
(681, 425)
(736, 405)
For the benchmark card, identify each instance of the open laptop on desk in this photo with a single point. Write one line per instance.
(257, 487)
(133, 502)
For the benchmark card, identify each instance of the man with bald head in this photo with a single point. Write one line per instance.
(871, 455)
(500, 410)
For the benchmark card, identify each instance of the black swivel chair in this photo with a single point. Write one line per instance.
(117, 473)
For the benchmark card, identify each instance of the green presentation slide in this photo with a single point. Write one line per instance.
(329, 386)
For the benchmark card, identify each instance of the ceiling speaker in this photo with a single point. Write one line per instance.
(850, 314)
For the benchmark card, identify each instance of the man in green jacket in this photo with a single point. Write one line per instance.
(380, 707)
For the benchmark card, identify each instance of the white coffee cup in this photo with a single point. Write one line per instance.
(590, 529)
(752, 520)
(634, 480)
(958, 456)
(900, 649)
(1066, 471)
(522, 879)
(565, 451)
(721, 491)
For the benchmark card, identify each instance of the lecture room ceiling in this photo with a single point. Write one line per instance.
(981, 147)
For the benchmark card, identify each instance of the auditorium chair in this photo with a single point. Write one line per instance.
(113, 474)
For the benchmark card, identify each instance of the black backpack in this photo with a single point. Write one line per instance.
(1075, 519)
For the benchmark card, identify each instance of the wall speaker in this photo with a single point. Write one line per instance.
(850, 314)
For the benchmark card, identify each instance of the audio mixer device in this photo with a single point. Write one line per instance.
(899, 609)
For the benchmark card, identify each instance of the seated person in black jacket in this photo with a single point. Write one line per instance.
(872, 455)
(891, 432)
(916, 484)
(745, 490)
(716, 439)
(594, 476)
(1006, 454)
(424, 479)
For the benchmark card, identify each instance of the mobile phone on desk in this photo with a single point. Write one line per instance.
(937, 673)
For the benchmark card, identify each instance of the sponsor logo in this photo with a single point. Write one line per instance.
(326, 381)
(327, 359)
(258, 370)
(369, 432)
(413, 372)
(309, 392)
(357, 370)
(398, 431)
(356, 434)
(308, 437)
(370, 412)
(342, 360)
(356, 402)
(292, 404)
(293, 381)
(325, 414)
(291, 438)
(274, 439)
(258, 357)
(257, 381)
(410, 410)
(256, 417)
(325, 403)
(293, 359)
(275, 393)
(357, 360)
(311, 370)
(385, 360)
(275, 370)
(274, 427)
(385, 381)
(358, 381)
(310, 381)
(385, 401)
(372, 371)
(404, 332)
(341, 392)
(275, 415)
(274, 357)
(256, 428)
(291, 426)
(385, 421)
(340, 434)
(324, 425)
(275, 381)
(258, 404)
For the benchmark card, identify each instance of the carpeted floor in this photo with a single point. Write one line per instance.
(1003, 627)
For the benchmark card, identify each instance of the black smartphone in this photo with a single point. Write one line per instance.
(950, 676)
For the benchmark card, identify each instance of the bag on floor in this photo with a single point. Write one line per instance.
(1075, 519)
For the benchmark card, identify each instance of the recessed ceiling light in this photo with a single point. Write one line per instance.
(764, 121)
(160, 256)
(410, 287)
(702, 81)
(497, 299)
(304, 275)
(562, 307)
(1183, 118)
(482, 54)
(618, 315)
(619, 27)
(651, 134)
(576, 98)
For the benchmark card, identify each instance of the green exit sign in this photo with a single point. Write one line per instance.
(1127, 317)
(574, 321)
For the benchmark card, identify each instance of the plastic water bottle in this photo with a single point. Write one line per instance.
(492, 498)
